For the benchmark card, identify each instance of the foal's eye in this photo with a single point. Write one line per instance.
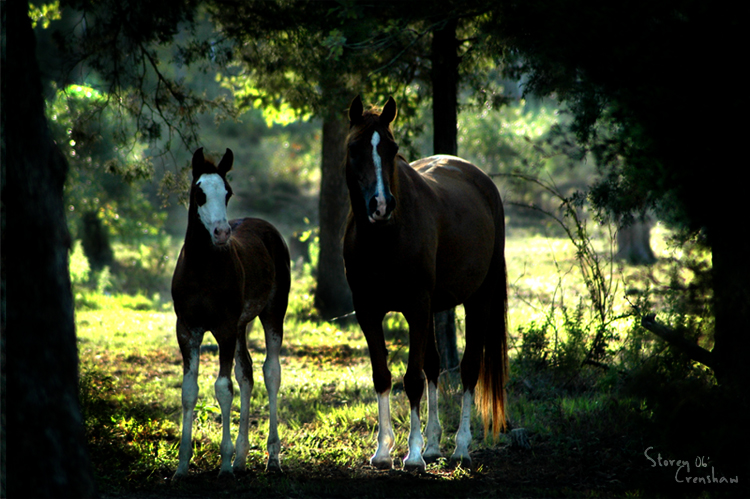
(200, 197)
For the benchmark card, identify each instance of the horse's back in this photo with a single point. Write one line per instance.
(471, 225)
(454, 179)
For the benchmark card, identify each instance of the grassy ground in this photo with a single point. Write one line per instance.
(587, 438)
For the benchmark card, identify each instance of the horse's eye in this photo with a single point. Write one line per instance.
(200, 197)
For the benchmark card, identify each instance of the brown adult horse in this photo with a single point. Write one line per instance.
(227, 274)
(421, 238)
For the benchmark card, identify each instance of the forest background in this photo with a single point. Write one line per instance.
(580, 112)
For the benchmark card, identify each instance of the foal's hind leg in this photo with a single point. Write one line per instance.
(225, 393)
(243, 372)
(273, 324)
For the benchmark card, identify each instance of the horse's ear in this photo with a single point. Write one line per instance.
(226, 162)
(198, 163)
(389, 112)
(355, 111)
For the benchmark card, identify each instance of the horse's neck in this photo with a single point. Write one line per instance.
(201, 250)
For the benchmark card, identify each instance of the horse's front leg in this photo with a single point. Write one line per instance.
(372, 327)
(189, 342)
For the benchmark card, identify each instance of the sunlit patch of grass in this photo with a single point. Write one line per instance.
(131, 371)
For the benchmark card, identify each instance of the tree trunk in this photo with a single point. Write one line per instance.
(445, 60)
(95, 242)
(43, 443)
(333, 298)
(731, 274)
(634, 242)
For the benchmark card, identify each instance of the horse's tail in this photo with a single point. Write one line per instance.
(494, 367)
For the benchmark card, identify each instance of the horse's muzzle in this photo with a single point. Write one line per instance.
(380, 209)
(221, 235)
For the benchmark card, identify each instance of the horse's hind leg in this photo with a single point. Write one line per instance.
(225, 393)
(420, 320)
(273, 324)
(190, 343)
(243, 372)
(478, 313)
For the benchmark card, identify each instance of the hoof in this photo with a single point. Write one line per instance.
(417, 465)
(273, 466)
(226, 476)
(179, 475)
(431, 457)
(383, 463)
(463, 461)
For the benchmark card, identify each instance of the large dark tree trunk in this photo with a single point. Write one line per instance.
(333, 298)
(43, 444)
(731, 275)
(445, 60)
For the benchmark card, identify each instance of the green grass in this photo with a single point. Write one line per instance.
(131, 372)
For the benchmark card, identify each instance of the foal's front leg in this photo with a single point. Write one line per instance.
(190, 342)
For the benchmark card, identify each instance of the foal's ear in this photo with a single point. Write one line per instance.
(198, 163)
(389, 112)
(226, 162)
(355, 111)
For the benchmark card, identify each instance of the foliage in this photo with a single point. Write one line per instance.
(44, 14)
(104, 178)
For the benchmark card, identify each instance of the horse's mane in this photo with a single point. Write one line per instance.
(370, 118)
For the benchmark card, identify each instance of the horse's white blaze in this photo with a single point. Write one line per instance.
(386, 438)
(380, 185)
(213, 213)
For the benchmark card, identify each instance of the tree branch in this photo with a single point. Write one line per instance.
(695, 352)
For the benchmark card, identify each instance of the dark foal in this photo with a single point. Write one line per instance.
(421, 238)
(227, 274)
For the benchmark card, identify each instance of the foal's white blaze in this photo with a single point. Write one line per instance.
(213, 213)
(380, 186)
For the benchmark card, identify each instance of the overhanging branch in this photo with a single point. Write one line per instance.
(695, 352)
